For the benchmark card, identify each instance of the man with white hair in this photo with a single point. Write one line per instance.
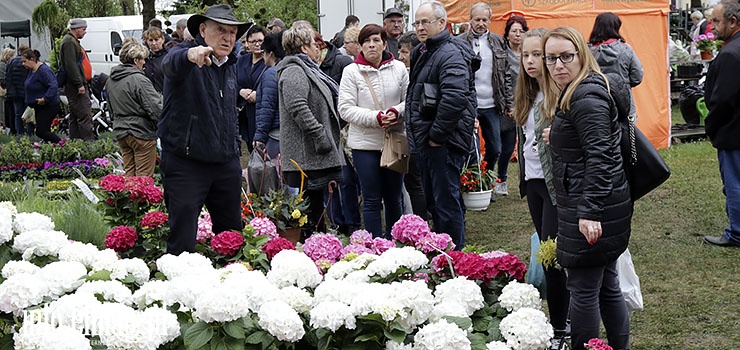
(440, 110)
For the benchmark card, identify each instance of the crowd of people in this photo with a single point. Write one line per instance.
(324, 109)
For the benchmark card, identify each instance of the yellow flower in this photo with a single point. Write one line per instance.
(303, 220)
(296, 214)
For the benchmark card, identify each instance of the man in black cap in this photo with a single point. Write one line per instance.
(73, 59)
(393, 26)
(198, 128)
(276, 25)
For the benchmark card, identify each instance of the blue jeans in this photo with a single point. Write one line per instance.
(19, 106)
(595, 296)
(440, 175)
(499, 144)
(729, 169)
(379, 186)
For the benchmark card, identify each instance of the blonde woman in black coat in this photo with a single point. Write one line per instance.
(593, 201)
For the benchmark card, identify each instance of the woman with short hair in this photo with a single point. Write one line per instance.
(153, 66)
(42, 93)
(250, 68)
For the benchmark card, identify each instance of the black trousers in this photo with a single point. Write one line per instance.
(545, 218)
(44, 116)
(188, 185)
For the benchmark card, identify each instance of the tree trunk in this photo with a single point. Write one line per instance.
(127, 6)
(147, 11)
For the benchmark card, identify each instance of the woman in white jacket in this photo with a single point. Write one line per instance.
(369, 115)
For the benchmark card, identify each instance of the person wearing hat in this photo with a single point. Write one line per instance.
(73, 59)
(393, 26)
(198, 128)
(276, 25)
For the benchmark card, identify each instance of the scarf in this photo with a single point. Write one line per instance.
(328, 81)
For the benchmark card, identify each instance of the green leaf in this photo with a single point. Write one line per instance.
(129, 279)
(256, 337)
(198, 335)
(462, 322)
(235, 329)
(480, 324)
(234, 344)
(102, 275)
(397, 335)
(367, 337)
(218, 343)
(477, 341)
(494, 332)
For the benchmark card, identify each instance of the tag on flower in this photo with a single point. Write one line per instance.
(86, 190)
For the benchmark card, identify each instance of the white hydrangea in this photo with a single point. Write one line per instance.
(417, 301)
(497, 345)
(63, 276)
(123, 328)
(10, 206)
(392, 345)
(291, 267)
(460, 290)
(254, 285)
(280, 320)
(394, 258)
(441, 335)
(25, 222)
(337, 290)
(154, 292)
(104, 260)
(526, 329)
(78, 311)
(15, 267)
(186, 263)
(378, 298)
(40, 242)
(83, 253)
(332, 315)
(6, 225)
(186, 289)
(515, 296)
(43, 336)
(136, 267)
(299, 299)
(109, 290)
(447, 308)
(21, 291)
(221, 304)
(162, 322)
(339, 270)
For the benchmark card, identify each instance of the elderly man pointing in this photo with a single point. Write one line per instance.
(198, 128)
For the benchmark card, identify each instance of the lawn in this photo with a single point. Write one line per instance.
(690, 289)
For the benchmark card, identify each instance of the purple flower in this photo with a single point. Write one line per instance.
(264, 226)
(435, 241)
(104, 162)
(493, 254)
(380, 245)
(361, 237)
(323, 246)
(409, 229)
(358, 249)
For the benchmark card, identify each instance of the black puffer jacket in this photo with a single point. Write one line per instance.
(589, 180)
(334, 63)
(448, 63)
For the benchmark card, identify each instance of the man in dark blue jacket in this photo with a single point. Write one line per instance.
(441, 132)
(198, 128)
(722, 94)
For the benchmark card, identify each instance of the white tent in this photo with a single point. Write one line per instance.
(11, 10)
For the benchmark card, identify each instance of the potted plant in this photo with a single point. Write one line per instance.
(706, 44)
(476, 183)
(287, 210)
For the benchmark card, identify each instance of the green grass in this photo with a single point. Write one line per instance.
(690, 288)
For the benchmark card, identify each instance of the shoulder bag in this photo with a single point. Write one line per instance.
(395, 152)
(643, 165)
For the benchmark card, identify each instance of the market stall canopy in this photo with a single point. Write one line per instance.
(16, 29)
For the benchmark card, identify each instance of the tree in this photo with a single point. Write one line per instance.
(49, 18)
(147, 11)
(288, 10)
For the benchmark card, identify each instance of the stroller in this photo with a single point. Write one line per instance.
(102, 118)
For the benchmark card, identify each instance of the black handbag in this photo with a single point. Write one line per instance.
(643, 165)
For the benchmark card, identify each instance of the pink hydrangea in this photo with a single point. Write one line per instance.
(435, 241)
(113, 183)
(409, 229)
(494, 254)
(361, 237)
(323, 246)
(597, 344)
(264, 227)
(276, 245)
(205, 228)
(121, 238)
(153, 219)
(227, 243)
(358, 249)
(380, 245)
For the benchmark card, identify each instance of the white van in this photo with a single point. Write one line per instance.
(105, 36)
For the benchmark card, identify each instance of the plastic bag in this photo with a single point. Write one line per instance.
(536, 275)
(262, 173)
(629, 282)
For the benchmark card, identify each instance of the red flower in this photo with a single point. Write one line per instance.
(227, 243)
(113, 183)
(121, 238)
(110, 201)
(153, 219)
(276, 245)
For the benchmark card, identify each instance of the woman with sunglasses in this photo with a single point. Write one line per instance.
(593, 200)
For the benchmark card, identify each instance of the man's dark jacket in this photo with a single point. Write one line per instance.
(722, 95)
(198, 118)
(15, 77)
(70, 56)
(502, 81)
(334, 62)
(448, 65)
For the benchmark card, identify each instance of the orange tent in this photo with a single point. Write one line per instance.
(644, 27)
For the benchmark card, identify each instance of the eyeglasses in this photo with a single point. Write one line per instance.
(258, 42)
(565, 58)
(425, 22)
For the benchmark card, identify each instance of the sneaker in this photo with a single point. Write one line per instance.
(502, 188)
(493, 197)
(559, 343)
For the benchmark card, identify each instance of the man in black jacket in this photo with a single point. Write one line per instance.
(440, 112)
(198, 128)
(722, 94)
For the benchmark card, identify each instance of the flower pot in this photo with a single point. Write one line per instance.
(707, 55)
(293, 234)
(477, 201)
